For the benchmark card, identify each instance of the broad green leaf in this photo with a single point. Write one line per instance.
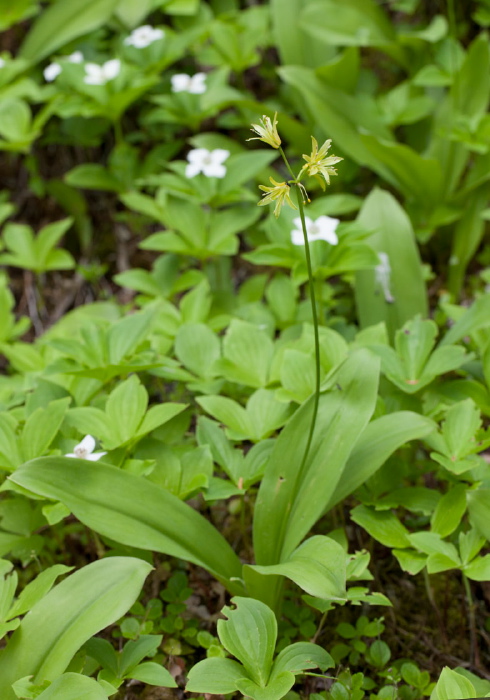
(318, 566)
(125, 335)
(37, 589)
(471, 88)
(62, 22)
(412, 365)
(102, 651)
(467, 236)
(250, 633)
(157, 416)
(47, 238)
(247, 354)
(8, 585)
(479, 510)
(301, 656)
(41, 428)
(125, 409)
(153, 674)
(294, 45)
(417, 177)
(133, 12)
(73, 686)
(230, 413)
(274, 690)
(410, 561)
(74, 610)
(384, 526)
(198, 348)
(431, 543)
(473, 319)
(354, 23)
(397, 293)
(138, 513)
(339, 116)
(449, 511)
(136, 650)
(377, 442)
(214, 675)
(92, 176)
(479, 569)
(290, 501)
(453, 686)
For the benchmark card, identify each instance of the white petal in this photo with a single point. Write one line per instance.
(76, 57)
(88, 444)
(198, 155)
(197, 84)
(192, 169)
(297, 237)
(157, 33)
(72, 455)
(180, 82)
(95, 456)
(51, 72)
(2, 62)
(93, 74)
(297, 222)
(214, 170)
(219, 155)
(111, 68)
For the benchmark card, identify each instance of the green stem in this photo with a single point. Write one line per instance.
(313, 311)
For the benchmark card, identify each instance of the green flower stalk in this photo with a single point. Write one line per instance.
(319, 166)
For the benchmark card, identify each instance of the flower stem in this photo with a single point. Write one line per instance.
(316, 334)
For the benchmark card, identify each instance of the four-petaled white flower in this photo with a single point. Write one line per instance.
(51, 72)
(141, 37)
(100, 75)
(76, 57)
(382, 274)
(85, 450)
(322, 229)
(195, 84)
(210, 163)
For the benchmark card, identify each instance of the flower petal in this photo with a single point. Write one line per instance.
(214, 170)
(219, 155)
(198, 155)
(111, 68)
(197, 84)
(88, 444)
(180, 82)
(297, 237)
(51, 72)
(192, 169)
(95, 456)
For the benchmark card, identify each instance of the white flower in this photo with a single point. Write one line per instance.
(85, 450)
(210, 163)
(143, 36)
(382, 274)
(51, 72)
(195, 84)
(76, 57)
(322, 229)
(100, 75)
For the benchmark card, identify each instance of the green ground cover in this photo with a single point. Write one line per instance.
(245, 349)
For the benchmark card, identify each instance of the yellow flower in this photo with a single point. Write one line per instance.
(278, 194)
(267, 131)
(317, 163)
